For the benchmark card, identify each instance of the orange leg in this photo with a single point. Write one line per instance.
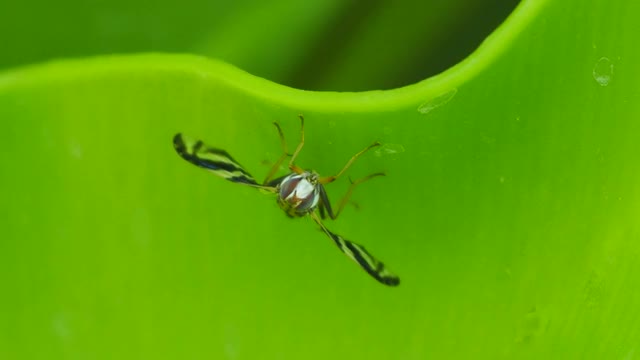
(345, 199)
(328, 179)
(284, 155)
(292, 165)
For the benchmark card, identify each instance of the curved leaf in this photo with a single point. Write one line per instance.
(509, 208)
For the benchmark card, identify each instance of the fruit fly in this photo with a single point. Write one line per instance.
(299, 193)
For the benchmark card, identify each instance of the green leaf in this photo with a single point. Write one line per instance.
(509, 209)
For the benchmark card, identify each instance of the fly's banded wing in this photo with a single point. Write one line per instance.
(361, 256)
(215, 160)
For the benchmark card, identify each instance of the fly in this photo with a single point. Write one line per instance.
(299, 193)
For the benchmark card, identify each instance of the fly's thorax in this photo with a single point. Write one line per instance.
(298, 194)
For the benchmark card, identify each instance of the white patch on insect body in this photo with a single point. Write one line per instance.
(299, 193)
(302, 190)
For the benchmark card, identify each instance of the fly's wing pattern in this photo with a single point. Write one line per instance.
(215, 160)
(360, 255)
(220, 163)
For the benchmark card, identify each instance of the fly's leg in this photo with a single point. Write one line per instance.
(292, 166)
(285, 152)
(329, 179)
(345, 199)
(284, 155)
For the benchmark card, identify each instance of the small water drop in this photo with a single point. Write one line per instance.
(389, 149)
(436, 102)
(603, 71)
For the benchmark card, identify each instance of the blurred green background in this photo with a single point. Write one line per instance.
(321, 45)
(509, 208)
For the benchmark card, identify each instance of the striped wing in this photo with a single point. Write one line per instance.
(215, 160)
(361, 256)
